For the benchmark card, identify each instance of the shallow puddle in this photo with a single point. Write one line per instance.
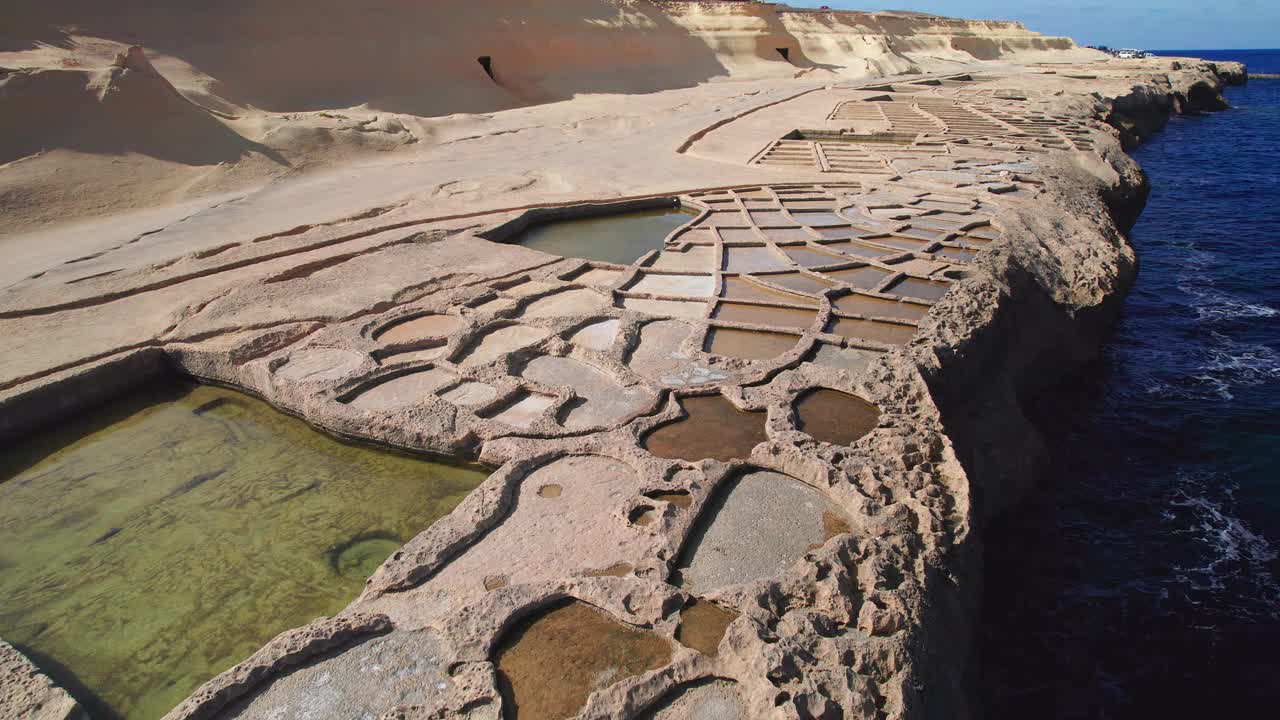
(549, 665)
(619, 239)
(150, 545)
(920, 289)
(748, 344)
(736, 288)
(798, 281)
(702, 626)
(888, 333)
(834, 417)
(713, 428)
(765, 315)
(863, 278)
(879, 307)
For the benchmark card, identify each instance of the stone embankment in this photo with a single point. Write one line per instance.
(746, 472)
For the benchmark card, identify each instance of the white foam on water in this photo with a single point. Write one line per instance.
(1234, 553)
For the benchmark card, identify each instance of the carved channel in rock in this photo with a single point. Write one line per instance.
(551, 663)
(147, 549)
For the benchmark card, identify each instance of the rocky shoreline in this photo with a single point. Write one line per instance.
(1020, 269)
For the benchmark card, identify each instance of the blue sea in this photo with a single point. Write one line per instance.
(1142, 579)
(1259, 61)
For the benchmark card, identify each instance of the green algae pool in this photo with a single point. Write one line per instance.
(153, 544)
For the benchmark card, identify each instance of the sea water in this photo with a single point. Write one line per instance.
(1142, 580)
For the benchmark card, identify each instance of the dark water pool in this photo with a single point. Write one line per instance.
(1142, 580)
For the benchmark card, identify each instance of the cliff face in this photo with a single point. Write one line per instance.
(422, 58)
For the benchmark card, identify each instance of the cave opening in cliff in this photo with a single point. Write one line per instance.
(486, 62)
(785, 53)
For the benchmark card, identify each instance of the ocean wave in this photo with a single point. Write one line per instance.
(1212, 305)
(1219, 369)
(1235, 556)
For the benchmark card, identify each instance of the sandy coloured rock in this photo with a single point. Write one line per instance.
(923, 213)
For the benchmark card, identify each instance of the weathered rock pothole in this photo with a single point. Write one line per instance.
(711, 429)
(754, 528)
(703, 625)
(552, 662)
(162, 543)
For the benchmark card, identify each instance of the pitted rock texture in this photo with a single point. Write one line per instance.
(26, 694)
